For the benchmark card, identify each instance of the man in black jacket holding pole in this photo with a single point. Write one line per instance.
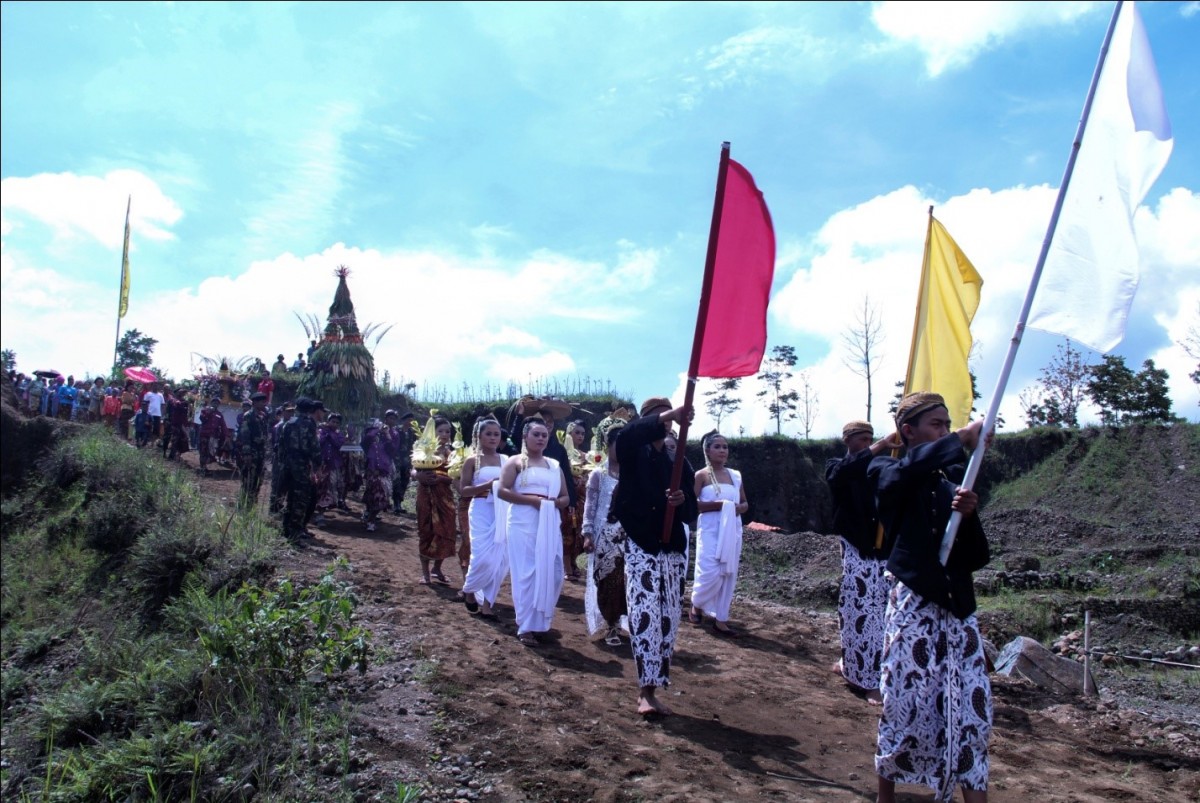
(655, 566)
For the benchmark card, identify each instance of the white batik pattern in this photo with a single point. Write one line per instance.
(937, 700)
(862, 605)
(654, 592)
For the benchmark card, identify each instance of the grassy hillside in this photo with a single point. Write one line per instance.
(149, 650)
(1143, 476)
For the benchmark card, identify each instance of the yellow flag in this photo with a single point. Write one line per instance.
(125, 265)
(949, 296)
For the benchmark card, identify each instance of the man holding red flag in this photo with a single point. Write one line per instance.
(654, 569)
(657, 495)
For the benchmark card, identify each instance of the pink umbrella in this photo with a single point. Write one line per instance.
(143, 375)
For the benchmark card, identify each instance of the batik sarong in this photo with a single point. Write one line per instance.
(862, 604)
(436, 526)
(654, 592)
(937, 700)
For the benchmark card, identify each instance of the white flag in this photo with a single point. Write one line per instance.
(1091, 269)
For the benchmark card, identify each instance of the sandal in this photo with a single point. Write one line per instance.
(491, 616)
(469, 601)
(613, 639)
(695, 617)
(528, 639)
(441, 578)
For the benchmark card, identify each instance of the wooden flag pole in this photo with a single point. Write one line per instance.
(121, 299)
(710, 261)
(912, 348)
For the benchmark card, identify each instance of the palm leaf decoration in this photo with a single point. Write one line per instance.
(341, 370)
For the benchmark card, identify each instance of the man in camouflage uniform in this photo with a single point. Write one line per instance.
(407, 437)
(299, 452)
(276, 504)
(252, 439)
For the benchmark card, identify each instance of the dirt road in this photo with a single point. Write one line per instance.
(458, 705)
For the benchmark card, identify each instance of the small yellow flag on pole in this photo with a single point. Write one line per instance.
(124, 307)
(946, 304)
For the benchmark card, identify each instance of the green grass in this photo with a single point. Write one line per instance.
(1089, 475)
(150, 651)
(1035, 614)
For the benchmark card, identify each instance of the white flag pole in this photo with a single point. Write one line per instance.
(989, 421)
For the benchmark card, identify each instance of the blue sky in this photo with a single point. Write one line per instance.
(524, 190)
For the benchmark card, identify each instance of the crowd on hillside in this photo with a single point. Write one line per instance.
(518, 504)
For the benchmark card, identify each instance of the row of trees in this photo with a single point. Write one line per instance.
(1121, 395)
(786, 400)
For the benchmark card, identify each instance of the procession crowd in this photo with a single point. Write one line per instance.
(525, 507)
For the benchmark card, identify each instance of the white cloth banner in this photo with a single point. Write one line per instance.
(1091, 270)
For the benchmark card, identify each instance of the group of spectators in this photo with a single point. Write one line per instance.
(67, 398)
(138, 412)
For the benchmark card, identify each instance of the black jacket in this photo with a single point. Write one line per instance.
(854, 515)
(641, 498)
(913, 496)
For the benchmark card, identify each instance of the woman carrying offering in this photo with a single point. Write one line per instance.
(722, 501)
(533, 486)
(489, 550)
(604, 541)
(436, 526)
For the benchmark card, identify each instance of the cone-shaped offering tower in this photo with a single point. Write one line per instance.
(341, 371)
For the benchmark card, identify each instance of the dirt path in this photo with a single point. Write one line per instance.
(457, 702)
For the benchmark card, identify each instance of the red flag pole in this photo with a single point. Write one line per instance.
(710, 262)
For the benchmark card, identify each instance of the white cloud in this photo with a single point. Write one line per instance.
(456, 318)
(766, 49)
(952, 34)
(93, 207)
(314, 164)
(1180, 323)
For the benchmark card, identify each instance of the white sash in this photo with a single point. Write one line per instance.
(729, 537)
(548, 547)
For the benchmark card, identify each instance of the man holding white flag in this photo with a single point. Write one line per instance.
(1091, 270)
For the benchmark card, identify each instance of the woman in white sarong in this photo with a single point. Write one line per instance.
(489, 547)
(604, 602)
(532, 485)
(722, 501)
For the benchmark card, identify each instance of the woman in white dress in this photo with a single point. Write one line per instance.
(604, 601)
(722, 501)
(532, 485)
(489, 549)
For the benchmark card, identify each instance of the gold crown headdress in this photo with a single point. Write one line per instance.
(458, 453)
(595, 459)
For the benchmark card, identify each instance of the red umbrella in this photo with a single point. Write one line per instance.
(143, 375)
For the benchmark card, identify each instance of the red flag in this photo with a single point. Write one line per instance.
(733, 327)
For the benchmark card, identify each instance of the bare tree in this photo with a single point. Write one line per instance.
(863, 340)
(1063, 387)
(723, 399)
(809, 403)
